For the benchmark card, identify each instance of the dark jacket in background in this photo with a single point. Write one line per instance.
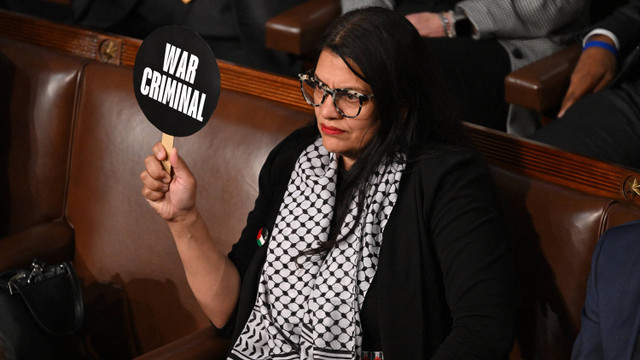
(233, 28)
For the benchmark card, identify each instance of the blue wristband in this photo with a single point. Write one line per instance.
(601, 44)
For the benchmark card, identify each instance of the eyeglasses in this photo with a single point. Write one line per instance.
(348, 102)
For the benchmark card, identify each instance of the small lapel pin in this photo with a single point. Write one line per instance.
(263, 236)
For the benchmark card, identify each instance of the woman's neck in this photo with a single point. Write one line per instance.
(346, 162)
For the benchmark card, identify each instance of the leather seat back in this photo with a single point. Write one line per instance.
(122, 246)
(37, 101)
(553, 231)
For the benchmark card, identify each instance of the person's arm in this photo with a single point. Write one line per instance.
(471, 244)
(521, 19)
(506, 19)
(597, 65)
(431, 24)
(593, 72)
(213, 278)
(348, 5)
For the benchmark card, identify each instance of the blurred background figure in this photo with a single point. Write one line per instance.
(610, 320)
(233, 29)
(478, 42)
(600, 114)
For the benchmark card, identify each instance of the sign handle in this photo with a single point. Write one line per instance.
(167, 142)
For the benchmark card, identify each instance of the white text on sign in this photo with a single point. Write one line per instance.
(175, 94)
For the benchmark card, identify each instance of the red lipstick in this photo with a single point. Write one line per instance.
(330, 130)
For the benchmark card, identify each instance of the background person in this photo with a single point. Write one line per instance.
(478, 42)
(600, 114)
(610, 320)
(234, 29)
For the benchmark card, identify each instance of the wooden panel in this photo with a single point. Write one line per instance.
(299, 29)
(61, 37)
(546, 163)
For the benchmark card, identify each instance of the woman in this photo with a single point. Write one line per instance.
(381, 229)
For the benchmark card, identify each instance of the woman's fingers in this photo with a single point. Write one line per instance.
(153, 183)
(159, 151)
(152, 195)
(155, 169)
(154, 178)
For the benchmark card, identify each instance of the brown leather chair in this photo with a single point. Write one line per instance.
(122, 248)
(75, 144)
(136, 295)
(37, 139)
(299, 30)
(542, 84)
(32, 128)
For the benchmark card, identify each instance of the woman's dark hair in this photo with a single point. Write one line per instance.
(412, 103)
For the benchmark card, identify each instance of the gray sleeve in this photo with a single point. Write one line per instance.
(522, 19)
(348, 5)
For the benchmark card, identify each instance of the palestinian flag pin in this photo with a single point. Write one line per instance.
(262, 237)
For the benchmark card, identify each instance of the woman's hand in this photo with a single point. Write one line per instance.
(171, 197)
(595, 70)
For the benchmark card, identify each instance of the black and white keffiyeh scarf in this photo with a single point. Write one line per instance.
(308, 306)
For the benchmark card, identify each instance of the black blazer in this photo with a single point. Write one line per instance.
(610, 321)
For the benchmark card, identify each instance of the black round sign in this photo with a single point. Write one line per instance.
(176, 80)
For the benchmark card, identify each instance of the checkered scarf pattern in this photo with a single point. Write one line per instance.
(308, 306)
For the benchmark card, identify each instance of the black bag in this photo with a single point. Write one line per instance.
(41, 310)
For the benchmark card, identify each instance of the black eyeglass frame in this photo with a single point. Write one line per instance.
(306, 76)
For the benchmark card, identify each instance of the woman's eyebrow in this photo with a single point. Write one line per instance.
(356, 89)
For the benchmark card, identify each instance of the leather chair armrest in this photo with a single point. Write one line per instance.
(299, 29)
(202, 344)
(542, 84)
(50, 242)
